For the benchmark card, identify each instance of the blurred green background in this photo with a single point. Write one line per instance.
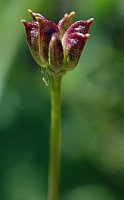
(92, 106)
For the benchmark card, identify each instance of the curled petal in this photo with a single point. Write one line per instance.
(74, 40)
(73, 46)
(80, 26)
(55, 53)
(65, 22)
(33, 39)
(46, 29)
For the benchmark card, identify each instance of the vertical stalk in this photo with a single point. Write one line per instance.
(54, 148)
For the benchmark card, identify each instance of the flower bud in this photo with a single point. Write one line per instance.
(57, 48)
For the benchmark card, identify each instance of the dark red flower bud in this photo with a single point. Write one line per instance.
(33, 38)
(73, 42)
(56, 47)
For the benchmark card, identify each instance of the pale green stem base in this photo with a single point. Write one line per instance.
(54, 153)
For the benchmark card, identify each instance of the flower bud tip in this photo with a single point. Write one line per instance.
(72, 13)
(90, 20)
(23, 21)
(87, 35)
(32, 14)
(66, 15)
(30, 11)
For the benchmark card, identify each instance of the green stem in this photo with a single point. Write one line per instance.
(54, 153)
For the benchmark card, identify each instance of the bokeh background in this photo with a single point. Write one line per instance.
(92, 165)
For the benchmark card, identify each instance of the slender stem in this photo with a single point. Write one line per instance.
(54, 153)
